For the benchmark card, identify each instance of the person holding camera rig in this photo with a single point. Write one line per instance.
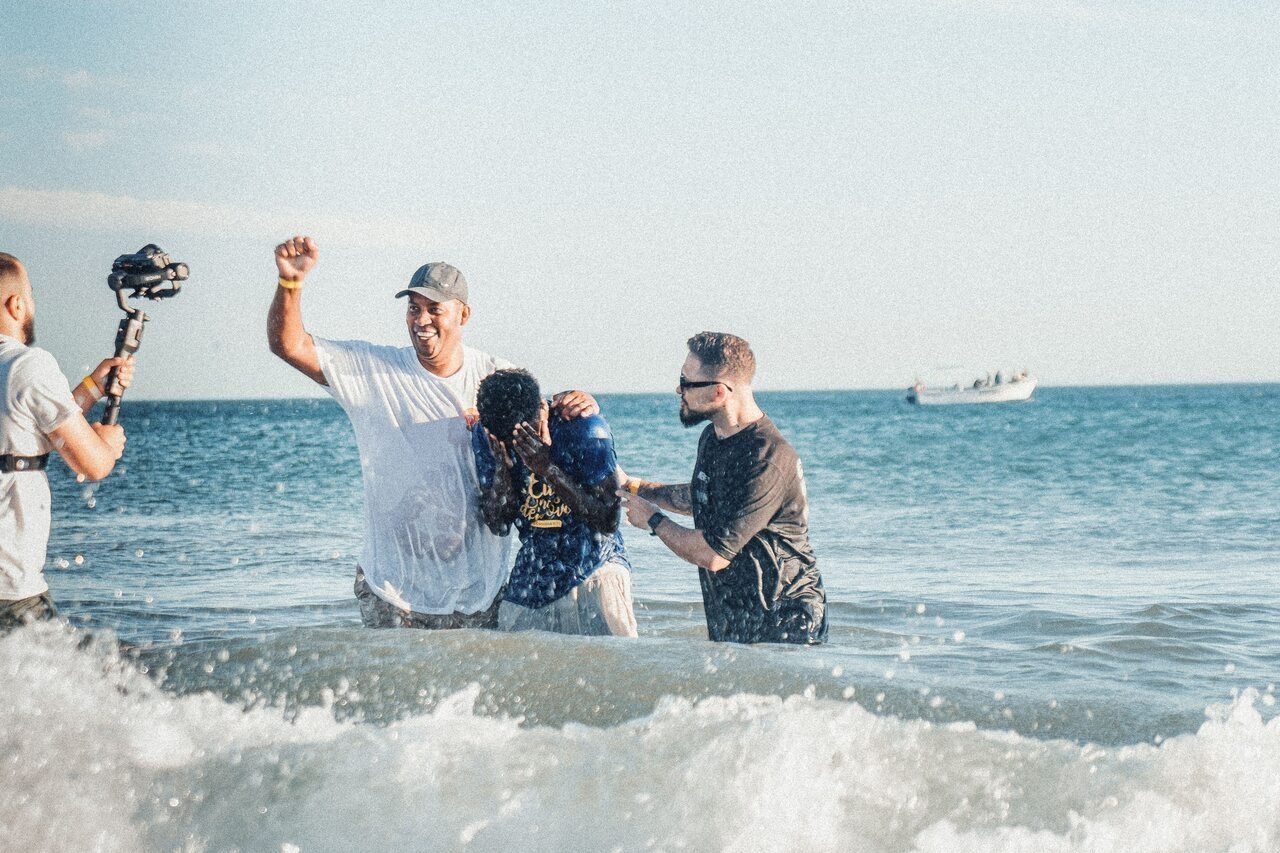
(38, 413)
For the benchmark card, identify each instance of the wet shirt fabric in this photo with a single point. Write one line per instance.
(34, 401)
(749, 503)
(558, 550)
(426, 547)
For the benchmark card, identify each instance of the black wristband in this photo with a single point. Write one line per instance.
(654, 520)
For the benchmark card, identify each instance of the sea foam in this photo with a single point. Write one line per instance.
(98, 757)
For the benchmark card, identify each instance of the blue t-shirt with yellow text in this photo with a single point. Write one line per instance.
(558, 550)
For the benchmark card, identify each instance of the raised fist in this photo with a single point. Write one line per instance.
(295, 257)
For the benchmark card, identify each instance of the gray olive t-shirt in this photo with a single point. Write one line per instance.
(749, 503)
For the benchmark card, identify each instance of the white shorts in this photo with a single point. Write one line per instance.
(600, 605)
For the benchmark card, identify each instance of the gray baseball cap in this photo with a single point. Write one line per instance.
(439, 282)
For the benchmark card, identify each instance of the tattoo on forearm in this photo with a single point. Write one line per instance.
(678, 497)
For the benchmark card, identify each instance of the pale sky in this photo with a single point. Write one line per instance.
(864, 190)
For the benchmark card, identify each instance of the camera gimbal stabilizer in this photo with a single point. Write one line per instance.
(147, 273)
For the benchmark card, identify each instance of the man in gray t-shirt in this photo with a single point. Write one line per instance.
(750, 535)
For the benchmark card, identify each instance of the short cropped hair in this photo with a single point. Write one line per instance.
(724, 355)
(9, 267)
(506, 398)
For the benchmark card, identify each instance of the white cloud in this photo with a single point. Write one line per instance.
(98, 115)
(97, 126)
(101, 212)
(217, 150)
(1105, 14)
(85, 140)
(80, 79)
(74, 80)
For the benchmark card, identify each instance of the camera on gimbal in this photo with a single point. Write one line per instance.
(148, 273)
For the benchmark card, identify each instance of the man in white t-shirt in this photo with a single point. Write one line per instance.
(428, 560)
(39, 413)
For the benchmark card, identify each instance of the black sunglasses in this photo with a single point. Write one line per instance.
(686, 384)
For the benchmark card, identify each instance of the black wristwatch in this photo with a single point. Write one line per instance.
(654, 520)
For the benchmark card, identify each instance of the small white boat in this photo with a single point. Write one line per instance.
(1017, 389)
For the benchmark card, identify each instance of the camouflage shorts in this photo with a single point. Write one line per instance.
(377, 612)
(25, 610)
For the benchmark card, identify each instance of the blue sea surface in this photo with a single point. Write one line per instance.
(1018, 593)
(1115, 545)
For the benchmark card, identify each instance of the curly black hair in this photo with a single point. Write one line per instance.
(506, 398)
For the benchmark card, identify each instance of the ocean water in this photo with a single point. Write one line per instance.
(1054, 626)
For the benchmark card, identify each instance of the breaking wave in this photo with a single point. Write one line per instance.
(98, 756)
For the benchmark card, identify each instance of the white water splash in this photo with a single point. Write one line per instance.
(97, 757)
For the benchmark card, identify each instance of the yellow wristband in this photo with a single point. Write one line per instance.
(290, 285)
(92, 387)
(633, 486)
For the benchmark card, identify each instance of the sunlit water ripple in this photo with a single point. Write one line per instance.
(1033, 608)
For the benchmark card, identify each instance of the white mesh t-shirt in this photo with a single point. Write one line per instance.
(426, 547)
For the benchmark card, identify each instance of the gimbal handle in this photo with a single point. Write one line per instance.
(128, 339)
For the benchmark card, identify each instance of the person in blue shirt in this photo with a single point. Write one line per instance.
(556, 481)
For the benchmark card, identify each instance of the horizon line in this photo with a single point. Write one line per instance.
(877, 389)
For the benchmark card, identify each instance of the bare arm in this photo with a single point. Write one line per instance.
(498, 502)
(689, 545)
(675, 498)
(596, 505)
(286, 335)
(86, 394)
(91, 450)
(499, 512)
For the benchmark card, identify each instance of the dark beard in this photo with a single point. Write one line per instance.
(689, 418)
(29, 330)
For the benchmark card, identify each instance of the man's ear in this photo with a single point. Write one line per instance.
(466, 314)
(15, 306)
